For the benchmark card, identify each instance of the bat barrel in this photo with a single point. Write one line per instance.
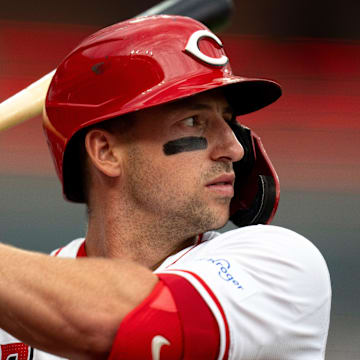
(213, 13)
(26, 104)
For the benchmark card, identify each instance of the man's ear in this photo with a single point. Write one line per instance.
(102, 151)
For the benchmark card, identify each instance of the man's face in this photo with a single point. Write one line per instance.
(178, 168)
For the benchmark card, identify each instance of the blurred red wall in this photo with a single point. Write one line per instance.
(312, 133)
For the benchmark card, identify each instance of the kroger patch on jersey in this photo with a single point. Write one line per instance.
(224, 276)
(224, 272)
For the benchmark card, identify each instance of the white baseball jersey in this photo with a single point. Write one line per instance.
(267, 287)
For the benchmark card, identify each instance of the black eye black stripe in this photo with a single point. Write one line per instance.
(189, 143)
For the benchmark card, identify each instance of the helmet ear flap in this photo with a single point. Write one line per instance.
(257, 188)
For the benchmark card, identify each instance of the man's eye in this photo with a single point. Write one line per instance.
(190, 122)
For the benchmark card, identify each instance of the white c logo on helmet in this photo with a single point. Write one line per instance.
(192, 47)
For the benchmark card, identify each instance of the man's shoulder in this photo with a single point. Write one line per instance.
(255, 233)
(262, 238)
(270, 247)
(270, 257)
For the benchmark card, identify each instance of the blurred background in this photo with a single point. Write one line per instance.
(312, 133)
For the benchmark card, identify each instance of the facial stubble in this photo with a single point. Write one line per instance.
(175, 212)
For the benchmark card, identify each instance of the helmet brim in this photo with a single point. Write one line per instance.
(245, 95)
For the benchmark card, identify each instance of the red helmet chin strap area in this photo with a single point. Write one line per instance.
(257, 187)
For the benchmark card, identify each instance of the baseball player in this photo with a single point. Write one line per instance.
(142, 121)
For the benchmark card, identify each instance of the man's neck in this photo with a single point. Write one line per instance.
(147, 245)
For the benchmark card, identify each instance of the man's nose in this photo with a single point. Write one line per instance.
(227, 146)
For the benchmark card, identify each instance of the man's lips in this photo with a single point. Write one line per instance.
(227, 179)
(223, 184)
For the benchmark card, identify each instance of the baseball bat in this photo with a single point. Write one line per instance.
(30, 101)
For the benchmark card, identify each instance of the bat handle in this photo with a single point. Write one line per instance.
(33, 98)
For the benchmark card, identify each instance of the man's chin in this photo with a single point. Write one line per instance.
(220, 220)
(220, 225)
(210, 217)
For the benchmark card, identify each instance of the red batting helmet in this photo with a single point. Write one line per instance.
(134, 65)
